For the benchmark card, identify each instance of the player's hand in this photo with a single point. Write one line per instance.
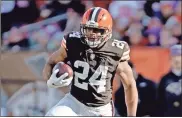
(55, 82)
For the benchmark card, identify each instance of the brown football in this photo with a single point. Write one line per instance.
(63, 68)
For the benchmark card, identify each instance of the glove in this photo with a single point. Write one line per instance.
(55, 82)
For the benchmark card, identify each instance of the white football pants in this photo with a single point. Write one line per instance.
(70, 106)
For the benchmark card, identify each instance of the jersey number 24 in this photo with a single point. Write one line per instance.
(101, 70)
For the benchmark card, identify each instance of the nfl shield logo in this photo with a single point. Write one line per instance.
(92, 56)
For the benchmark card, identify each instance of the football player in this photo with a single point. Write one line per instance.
(95, 58)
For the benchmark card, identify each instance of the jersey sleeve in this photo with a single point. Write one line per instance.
(126, 53)
(64, 40)
(69, 38)
(63, 43)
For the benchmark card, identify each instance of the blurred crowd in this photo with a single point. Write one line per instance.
(140, 23)
(40, 25)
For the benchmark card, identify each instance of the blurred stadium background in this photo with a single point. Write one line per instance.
(31, 30)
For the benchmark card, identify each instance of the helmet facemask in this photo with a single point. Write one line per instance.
(95, 36)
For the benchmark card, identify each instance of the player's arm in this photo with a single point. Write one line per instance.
(129, 84)
(56, 57)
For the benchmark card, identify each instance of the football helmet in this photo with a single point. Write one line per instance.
(96, 26)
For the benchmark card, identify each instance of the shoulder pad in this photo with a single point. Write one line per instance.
(124, 47)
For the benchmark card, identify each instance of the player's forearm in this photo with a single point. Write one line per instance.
(47, 71)
(129, 84)
(56, 57)
(131, 99)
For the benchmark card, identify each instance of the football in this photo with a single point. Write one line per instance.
(63, 68)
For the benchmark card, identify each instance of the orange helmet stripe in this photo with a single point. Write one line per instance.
(97, 14)
(90, 15)
(94, 14)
